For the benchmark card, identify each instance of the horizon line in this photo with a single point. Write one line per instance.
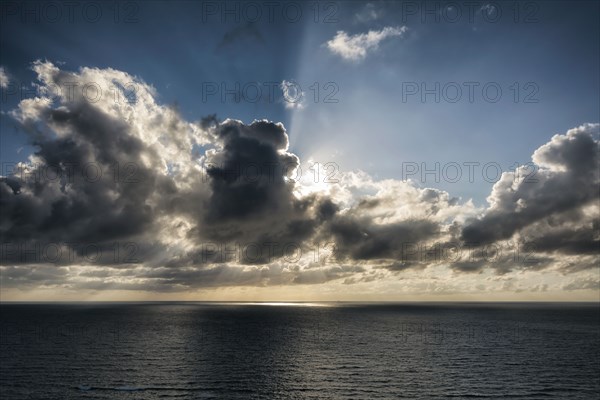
(292, 302)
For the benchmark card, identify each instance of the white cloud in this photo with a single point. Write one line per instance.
(292, 95)
(355, 47)
(3, 78)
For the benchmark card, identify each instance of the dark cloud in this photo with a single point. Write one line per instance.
(72, 194)
(248, 173)
(241, 194)
(251, 198)
(211, 203)
(359, 239)
(92, 182)
(584, 240)
(567, 179)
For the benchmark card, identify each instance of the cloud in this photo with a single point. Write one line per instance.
(583, 284)
(292, 95)
(551, 217)
(355, 47)
(124, 171)
(251, 198)
(566, 182)
(123, 193)
(4, 80)
(358, 239)
(102, 171)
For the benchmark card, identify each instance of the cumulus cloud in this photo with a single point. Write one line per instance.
(123, 193)
(252, 199)
(355, 47)
(567, 181)
(103, 170)
(123, 171)
(556, 210)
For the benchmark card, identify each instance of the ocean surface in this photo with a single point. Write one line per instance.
(299, 351)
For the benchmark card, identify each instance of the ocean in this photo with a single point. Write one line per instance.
(299, 351)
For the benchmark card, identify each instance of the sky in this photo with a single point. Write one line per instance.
(283, 151)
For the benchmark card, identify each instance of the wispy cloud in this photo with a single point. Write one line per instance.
(356, 47)
(292, 95)
(4, 80)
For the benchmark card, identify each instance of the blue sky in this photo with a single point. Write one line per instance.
(181, 48)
